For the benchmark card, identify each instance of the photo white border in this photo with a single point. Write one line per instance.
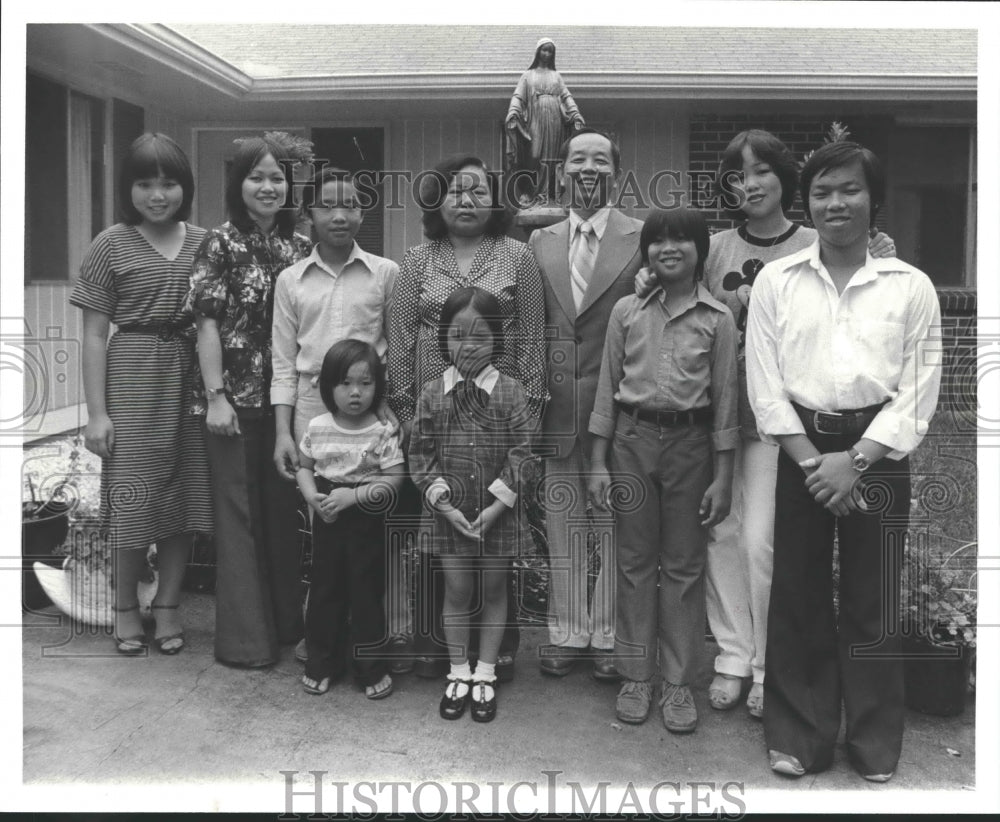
(232, 797)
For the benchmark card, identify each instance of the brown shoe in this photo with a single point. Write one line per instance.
(679, 713)
(557, 660)
(634, 698)
(604, 666)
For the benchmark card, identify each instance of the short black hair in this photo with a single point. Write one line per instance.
(338, 361)
(250, 152)
(311, 193)
(616, 155)
(768, 149)
(433, 188)
(151, 155)
(678, 224)
(837, 155)
(484, 304)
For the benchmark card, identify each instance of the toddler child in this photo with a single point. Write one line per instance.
(349, 471)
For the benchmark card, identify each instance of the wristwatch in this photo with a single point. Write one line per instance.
(212, 393)
(858, 460)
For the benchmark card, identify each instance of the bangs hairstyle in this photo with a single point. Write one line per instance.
(767, 149)
(616, 154)
(676, 224)
(313, 192)
(830, 156)
(154, 155)
(339, 360)
(434, 188)
(248, 154)
(484, 304)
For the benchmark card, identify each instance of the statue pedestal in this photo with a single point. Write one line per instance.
(529, 219)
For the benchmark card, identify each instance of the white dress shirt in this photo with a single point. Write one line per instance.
(879, 340)
(314, 307)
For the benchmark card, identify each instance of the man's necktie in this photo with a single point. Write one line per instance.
(583, 255)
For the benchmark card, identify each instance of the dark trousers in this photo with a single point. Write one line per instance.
(258, 593)
(344, 615)
(816, 659)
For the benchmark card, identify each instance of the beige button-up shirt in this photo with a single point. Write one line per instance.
(661, 362)
(315, 307)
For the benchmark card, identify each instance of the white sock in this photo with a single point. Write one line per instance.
(459, 673)
(486, 673)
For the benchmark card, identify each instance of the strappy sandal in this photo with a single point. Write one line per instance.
(483, 709)
(129, 645)
(724, 692)
(381, 689)
(453, 706)
(755, 701)
(161, 641)
(316, 687)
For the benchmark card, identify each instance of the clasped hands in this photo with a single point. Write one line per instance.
(329, 506)
(833, 482)
(476, 529)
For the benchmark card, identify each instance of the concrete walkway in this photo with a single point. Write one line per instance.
(92, 717)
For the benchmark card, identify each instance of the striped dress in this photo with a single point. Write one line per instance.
(155, 484)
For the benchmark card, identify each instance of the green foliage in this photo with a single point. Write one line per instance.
(837, 132)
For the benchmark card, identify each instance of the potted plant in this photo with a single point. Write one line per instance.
(938, 609)
(45, 515)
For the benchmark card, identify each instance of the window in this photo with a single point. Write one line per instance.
(64, 185)
(930, 202)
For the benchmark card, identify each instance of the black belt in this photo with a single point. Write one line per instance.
(850, 421)
(163, 331)
(668, 419)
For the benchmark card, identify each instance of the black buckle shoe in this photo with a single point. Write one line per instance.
(483, 709)
(452, 707)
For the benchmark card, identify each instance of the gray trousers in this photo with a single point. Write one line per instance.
(661, 548)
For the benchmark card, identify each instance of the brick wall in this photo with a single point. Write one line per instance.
(958, 332)
(711, 133)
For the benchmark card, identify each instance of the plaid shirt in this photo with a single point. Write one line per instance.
(470, 449)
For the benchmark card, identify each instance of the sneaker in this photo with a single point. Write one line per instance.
(785, 764)
(677, 704)
(878, 777)
(633, 701)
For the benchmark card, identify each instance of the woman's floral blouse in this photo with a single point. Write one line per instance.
(233, 283)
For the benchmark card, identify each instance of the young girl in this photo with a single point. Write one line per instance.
(470, 445)
(665, 410)
(258, 601)
(350, 469)
(154, 477)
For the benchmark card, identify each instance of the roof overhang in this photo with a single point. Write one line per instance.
(168, 47)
